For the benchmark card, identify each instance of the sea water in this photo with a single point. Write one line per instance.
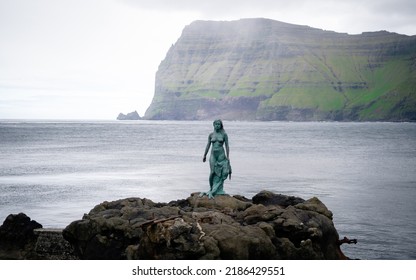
(365, 173)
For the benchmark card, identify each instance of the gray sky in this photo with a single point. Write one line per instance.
(92, 59)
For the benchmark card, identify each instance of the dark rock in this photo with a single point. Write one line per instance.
(23, 238)
(315, 205)
(221, 202)
(270, 226)
(17, 232)
(269, 198)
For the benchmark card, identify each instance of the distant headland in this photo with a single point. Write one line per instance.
(261, 69)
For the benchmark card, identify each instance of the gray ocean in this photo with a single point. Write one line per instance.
(55, 171)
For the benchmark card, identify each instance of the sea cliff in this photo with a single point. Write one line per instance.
(261, 69)
(267, 226)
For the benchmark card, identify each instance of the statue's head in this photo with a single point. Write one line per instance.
(218, 125)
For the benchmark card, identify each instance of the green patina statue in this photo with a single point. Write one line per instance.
(219, 161)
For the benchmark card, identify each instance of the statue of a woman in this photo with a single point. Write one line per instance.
(219, 161)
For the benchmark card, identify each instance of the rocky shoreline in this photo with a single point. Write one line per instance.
(268, 226)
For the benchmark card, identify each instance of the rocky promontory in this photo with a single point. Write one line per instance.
(268, 226)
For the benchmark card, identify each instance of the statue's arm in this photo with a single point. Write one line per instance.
(227, 147)
(207, 148)
(227, 150)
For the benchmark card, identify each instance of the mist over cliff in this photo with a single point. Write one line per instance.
(261, 69)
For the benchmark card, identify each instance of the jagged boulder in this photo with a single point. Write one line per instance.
(226, 227)
(23, 238)
(270, 198)
(17, 236)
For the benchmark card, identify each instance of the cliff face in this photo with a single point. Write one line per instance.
(268, 70)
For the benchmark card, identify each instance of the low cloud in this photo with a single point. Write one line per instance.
(354, 16)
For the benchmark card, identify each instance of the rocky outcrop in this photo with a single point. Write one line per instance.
(23, 238)
(130, 116)
(17, 236)
(269, 226)
(260, 69)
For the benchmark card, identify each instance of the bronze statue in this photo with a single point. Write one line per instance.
(219, 161)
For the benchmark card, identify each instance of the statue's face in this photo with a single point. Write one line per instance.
(217, 125)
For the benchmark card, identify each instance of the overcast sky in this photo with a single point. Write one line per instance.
(92, 59)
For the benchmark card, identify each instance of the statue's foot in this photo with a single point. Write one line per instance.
(209, 194)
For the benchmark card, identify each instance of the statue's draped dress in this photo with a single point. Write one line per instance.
(219, 165)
